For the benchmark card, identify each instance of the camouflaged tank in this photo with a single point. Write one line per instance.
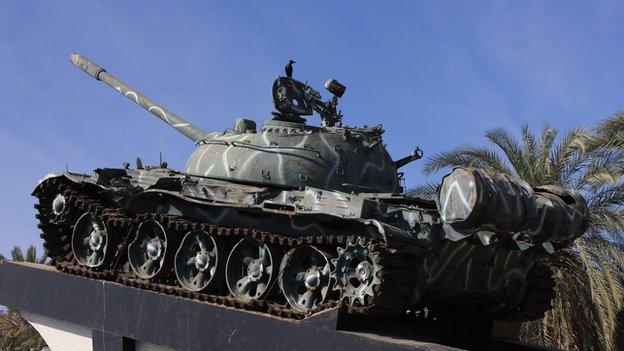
(291, 219)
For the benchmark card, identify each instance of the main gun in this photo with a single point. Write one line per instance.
(172, 119)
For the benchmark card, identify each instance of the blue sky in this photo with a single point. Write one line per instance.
(436, 75)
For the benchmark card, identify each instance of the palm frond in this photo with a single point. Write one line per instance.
(510, 147)
(603, 168)
(607, 221)
(425, 191)
(530, 144)
(570, 155)
(529, 154)
(543, 162)
(468, 156)
(611, 130)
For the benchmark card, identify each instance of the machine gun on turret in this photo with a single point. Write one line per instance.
(294, 99)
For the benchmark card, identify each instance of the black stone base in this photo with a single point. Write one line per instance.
(118, 315)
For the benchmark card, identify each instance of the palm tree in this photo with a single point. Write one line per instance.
(589, 274)
(610, 131)
(15, 332)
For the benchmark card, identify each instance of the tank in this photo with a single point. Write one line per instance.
(291, 219)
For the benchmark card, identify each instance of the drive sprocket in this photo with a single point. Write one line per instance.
(357, 271)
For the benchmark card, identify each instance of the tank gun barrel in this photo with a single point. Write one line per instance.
(172, 119)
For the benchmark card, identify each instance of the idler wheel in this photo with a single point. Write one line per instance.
(304, 277)
(356, 273)
(147, 253)
(249, 269)
(59, 205)
(54, 207)
(197, 261)
(90, 240)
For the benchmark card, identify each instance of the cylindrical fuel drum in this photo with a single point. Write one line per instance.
(562, 215)
(475, 199)
(471, 198)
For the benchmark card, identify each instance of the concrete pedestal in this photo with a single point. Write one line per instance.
(77, 313)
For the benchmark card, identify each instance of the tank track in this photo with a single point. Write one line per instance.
(392, 295)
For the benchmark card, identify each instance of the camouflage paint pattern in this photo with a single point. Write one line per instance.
(293, 178)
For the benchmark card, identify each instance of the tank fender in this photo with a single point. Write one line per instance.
(71, 177)
(155, 197)
(392, 235)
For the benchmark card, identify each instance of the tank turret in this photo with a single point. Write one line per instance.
(285, 152)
